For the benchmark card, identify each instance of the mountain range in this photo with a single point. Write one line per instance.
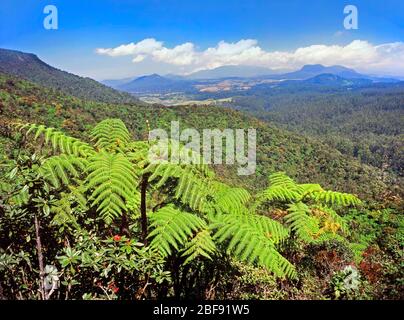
(230, 78)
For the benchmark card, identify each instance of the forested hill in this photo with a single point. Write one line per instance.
(278, 150)
(366, 123)
(30, 67)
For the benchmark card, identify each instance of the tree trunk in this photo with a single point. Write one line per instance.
(40, 258)
(143, 209)
(124, 229)
(2, 296)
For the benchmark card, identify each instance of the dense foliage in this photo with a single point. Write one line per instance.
(364, 123)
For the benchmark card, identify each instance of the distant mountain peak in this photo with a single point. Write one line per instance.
(321, 68)
(150, 76)
(154, 83)
(313, 68)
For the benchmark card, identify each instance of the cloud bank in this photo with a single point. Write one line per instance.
(387, 58)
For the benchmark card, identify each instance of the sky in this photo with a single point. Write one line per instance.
(110, 39)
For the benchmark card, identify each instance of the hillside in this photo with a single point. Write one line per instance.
(30, 67)
(278, 150)
(365, 122)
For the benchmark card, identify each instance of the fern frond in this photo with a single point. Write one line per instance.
(193, 191)
(281, 179)
(172, 228)
(191, 186)
(248, 241)
(230, 200)
(331, 221)
(271, 228)
(282, 188)
(111, 134)
(58, 169)
(309, 188)
(300, 220)
(113, 182)
(70, 203)
(280, 193)
(335, 198)
(57, 139)
(200, 245)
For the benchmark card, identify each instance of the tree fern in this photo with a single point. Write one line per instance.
(197, 213)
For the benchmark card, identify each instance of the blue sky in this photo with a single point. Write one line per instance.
(276, 25)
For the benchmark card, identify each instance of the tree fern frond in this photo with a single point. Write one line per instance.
(280, 193)
(308, 189)
(57, 139)
(111, 134)
(113, 182)
(248, 242)
(200, 245)
(335, 198)
(58, 169)
(281, 188)
(172, 228)
(230, 200)
(192, 187)
(271, 228)
(69, 204)
(332, 222)
(281, 179)
(300, 220)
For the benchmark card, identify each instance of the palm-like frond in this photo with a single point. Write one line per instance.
(111, 134)
(113, 182)
(300, 220)
(334, 198)
(200, 245)
(57, 139)
(172, 228)
(251, 239)
(60, 169)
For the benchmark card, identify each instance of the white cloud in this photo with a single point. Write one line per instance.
(138, 58)
(146, 46)
(385, 58)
